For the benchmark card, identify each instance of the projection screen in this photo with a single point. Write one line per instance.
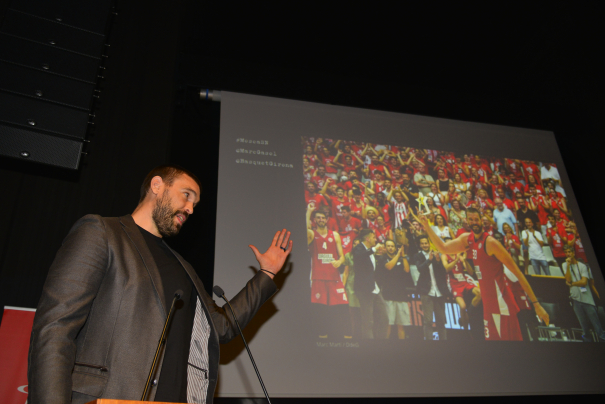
(308, 341)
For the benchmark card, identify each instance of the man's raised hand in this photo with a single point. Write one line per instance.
(273, 259)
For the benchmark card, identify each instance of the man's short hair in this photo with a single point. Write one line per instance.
(569, 247)
(346, 208)
(318, 211)
(424, 237)
(168, 173)
(363, 234)
(472, 210)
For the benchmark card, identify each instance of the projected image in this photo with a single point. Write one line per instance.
(378, 216)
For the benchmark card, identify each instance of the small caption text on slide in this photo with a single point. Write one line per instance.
(258, 152)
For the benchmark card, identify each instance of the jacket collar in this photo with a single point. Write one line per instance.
(133, 232)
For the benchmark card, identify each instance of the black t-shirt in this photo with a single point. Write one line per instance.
(172, 383)
(393, 283)
(522, 216)
(411, 187)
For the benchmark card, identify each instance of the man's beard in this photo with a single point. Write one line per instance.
(477, 229)
(163, 217)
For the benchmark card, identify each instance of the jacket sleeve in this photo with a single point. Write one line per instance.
(421, 262)
(70, 288)
(245, 304)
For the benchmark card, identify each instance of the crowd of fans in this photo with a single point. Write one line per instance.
(352, 188)
(364, 185)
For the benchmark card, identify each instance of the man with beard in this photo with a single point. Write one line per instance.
(327, 289)
(489, 258)
(107, 296)
(395, 281)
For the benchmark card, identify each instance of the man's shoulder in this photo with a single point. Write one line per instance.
(94, 221)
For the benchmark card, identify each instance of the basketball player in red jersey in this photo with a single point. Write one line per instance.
(457, 267)
(327, 289)
(499, 305)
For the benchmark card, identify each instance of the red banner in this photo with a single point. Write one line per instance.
(14, 343)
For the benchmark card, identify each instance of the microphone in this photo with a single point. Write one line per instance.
(162, 341)
(221, 293)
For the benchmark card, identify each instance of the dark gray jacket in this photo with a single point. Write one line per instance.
(102, 307)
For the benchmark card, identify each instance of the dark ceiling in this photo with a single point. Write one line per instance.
(548, 51)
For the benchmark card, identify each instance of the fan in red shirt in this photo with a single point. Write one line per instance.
(349, 229)
(539, 205)
(557, 238)
(556, 201)
(531, 180)
(357, 204)
(383, 230)
(511, 242)
(377, 184)
(498, 164)
(489, 258)
(507, 202)
(312, 157)
(514, 166)
(514, 185)
(483, 201)
(467, 164)
(483, 168)
(383, 207)
(392, 162)
(530, 168)
(328, 160)
(487, 226)
(311, 196)
(374, 166)
(457, 268)
(338, 202)
(457, 169)
(576, 241)
(347, 162)
(320, 176)
(308, 170)
(495, 183)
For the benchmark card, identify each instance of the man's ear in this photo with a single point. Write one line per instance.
(156, 184)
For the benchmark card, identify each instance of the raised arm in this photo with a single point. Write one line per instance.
(452, 247)
(449, 265)
(494, 248)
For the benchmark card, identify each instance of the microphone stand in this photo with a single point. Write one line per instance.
(220, 293)
(177, 296)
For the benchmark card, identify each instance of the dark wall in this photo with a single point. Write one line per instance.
(134, 122)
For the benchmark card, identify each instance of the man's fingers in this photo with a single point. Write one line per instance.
(280, 241)
(257, 253)
(289, 247)
(276, 238)
(285, 242)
